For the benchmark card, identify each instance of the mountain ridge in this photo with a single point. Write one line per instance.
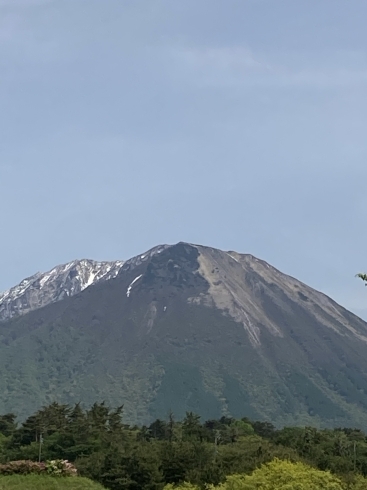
(62, 280)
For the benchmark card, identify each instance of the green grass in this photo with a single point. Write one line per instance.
(37, 482)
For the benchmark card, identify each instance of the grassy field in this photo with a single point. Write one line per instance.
(36, 482)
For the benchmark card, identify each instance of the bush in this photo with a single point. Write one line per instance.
(277, 475)
(60, 467)
(22, 467)
(284, 475)
(57, 467)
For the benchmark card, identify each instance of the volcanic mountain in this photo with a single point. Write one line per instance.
(191, 328)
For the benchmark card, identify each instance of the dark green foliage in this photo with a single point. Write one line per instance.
(362, 276)
(7, 424)
(123, 457)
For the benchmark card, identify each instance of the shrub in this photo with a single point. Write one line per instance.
(23, 467)
(57, 467)
(60, 467)
(278, 475)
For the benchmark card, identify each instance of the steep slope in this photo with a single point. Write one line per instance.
(64, 280)
(187, 327)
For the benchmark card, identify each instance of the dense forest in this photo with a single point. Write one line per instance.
(170, 452)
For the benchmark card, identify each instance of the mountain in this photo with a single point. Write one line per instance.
(61, 281)
(187, 327)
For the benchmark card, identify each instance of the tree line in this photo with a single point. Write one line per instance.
(169, 452)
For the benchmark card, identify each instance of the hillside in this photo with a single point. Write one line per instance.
(187, 327)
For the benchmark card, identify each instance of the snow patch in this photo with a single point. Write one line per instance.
(90, 281)
(131, 284)
(45, 278)
(229, 255)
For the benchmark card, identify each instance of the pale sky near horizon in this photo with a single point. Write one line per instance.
(239, 124)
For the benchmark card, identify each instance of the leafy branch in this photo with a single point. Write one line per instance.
(363, 277)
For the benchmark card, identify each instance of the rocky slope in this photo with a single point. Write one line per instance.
(44, 288)
(187, 327)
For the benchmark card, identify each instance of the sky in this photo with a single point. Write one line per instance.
(239, 124)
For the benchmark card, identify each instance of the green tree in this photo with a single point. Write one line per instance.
(7, 424)
(284, 475)
(362, 276)
(264, 429)
(191, 427)
(158, 430)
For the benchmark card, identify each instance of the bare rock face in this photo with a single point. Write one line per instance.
(60, 282)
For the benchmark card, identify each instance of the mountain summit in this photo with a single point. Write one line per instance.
(188, 327)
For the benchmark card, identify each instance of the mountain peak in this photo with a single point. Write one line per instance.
(184, 327)
(60, 282)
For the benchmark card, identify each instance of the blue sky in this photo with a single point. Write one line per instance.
(239, 124)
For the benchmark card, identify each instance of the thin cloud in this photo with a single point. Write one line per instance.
(20, 42)
(217, 66)
(238, 66)
(237, 58)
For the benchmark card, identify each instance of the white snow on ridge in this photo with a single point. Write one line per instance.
(229, 255)
(44, 288)
(139, 259)
(90, 280)
(64, 280)
(131, 284)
